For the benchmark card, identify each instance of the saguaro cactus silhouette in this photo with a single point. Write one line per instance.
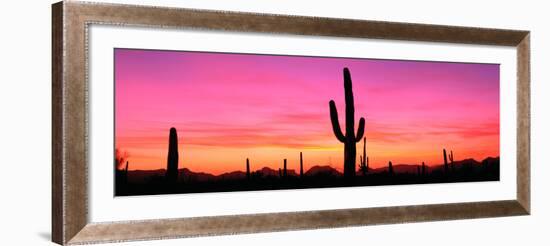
(349, 138)
(247, 169)
(301, 166)
(173, 156)
(390, 168)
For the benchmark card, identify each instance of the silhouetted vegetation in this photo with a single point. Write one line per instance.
(445, 161)
(349, 138)
(364, 162)
(423, 169)
(284, 169)
(301, 166)
(451, 159)
(149, 182)
(173, 156)
(175, 179)
(247, 169)
(121, 172)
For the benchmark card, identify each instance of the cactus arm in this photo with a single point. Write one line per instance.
(335, 124)
(360, 130)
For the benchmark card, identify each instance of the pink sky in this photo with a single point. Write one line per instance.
(229, 107)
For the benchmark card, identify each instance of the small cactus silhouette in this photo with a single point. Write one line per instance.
(365, 157)
(349, 138)
(451, 159)
(173, 156)
(364, 166)
(284, 169)
(301, 166)
(247, 169)
(390, 168)
(126, 172)
(445, 161)
(423, 169)
(361, 167)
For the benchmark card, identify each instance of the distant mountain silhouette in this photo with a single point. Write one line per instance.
(186, 175)
(492, 160)
(398, 168)
(142, 176)
(189, 175)
(232, 175)
(322, 170)
(266, 172)
(140, 182)
(292, 172)
(412, 168)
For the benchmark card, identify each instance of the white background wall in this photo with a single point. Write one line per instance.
(25, 122)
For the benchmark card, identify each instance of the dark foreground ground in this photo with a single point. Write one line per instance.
(153, 182)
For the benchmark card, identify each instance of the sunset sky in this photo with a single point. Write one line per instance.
(229, 107)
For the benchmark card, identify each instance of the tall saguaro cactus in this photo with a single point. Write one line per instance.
(349, 138)
(173, 156)
(390, 168)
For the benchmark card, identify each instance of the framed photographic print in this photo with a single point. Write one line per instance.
(175, 122)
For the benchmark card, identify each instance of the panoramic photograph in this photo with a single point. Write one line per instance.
(194, 122)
